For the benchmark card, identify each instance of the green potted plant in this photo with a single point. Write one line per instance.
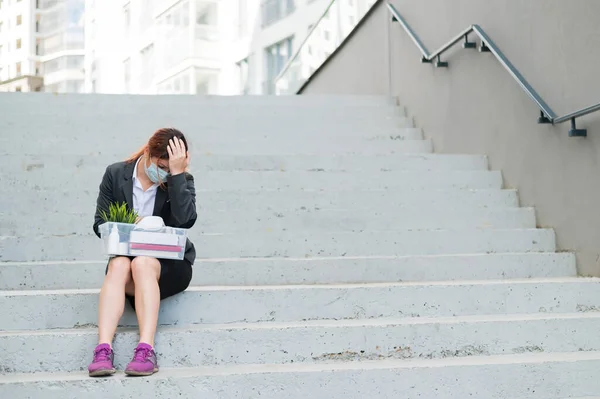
(117, 213)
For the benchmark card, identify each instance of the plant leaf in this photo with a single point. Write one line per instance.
(119, 213)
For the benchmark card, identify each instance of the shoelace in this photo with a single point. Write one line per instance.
(101, 355)
(141, 354)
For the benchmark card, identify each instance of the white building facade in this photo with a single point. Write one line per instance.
(42, 45)
(270, 32)
(220, 47)
(156, 46)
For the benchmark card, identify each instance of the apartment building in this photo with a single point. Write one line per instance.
(42, 45)
(278, 30)
(202, 46)
(156, 46)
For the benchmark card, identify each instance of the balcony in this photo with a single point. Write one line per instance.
(207, 32)
(175, 45)
(275, 10)
(46, 4)
(71, 39)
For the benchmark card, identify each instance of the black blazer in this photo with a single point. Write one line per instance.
(176, 204)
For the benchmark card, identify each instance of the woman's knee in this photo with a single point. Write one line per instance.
(144, 266)
(119, 268)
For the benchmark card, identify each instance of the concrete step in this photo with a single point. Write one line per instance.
(336, 181)
(273, 138)
(362, 147)
(122, 110)
(295, 244)
(269, 271)
(78, 201)
(311, 341)
(198, 103)
(541, 375)
(244, 180)
(200, 125)
(299, 220)
(18, 163)
(314, 127)
(374, 143)
(39, 310)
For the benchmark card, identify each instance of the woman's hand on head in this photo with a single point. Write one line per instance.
(178, 156)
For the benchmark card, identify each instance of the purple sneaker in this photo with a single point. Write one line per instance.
(102, 365)
(144, 361)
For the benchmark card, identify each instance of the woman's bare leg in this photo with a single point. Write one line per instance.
(112, 298)
(146, 273)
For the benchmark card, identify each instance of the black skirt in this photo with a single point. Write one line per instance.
(175, 277)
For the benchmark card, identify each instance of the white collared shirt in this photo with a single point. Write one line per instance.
(143, 201)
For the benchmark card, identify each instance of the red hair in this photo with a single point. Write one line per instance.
(158, 143)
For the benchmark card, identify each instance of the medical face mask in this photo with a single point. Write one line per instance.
(155, 174)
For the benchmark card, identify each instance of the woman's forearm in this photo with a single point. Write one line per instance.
(182, 194)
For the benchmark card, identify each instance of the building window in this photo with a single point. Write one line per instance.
(243, 26)
(243, 68)
(126, 74)
(274, 10)
(19, 19)
(276, 57)
(18, 43)
(147, 55)
(74, 62)
(207, 14)
(202, 88)
(127, 18)
(326, 35)
(18, 88)
(74, 86)
(64, 62)
(185, 83)
(18, 68)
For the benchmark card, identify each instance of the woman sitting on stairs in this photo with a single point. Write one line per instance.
(154, 182)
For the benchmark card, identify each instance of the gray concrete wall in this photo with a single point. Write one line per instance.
(476, 107)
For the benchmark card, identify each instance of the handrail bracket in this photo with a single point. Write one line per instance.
(574, 132)
(468, 44)
(441, 64)
(543, 119)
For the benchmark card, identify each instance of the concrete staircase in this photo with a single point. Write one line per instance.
(338, 258)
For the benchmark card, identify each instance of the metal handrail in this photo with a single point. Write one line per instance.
(547, 115)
